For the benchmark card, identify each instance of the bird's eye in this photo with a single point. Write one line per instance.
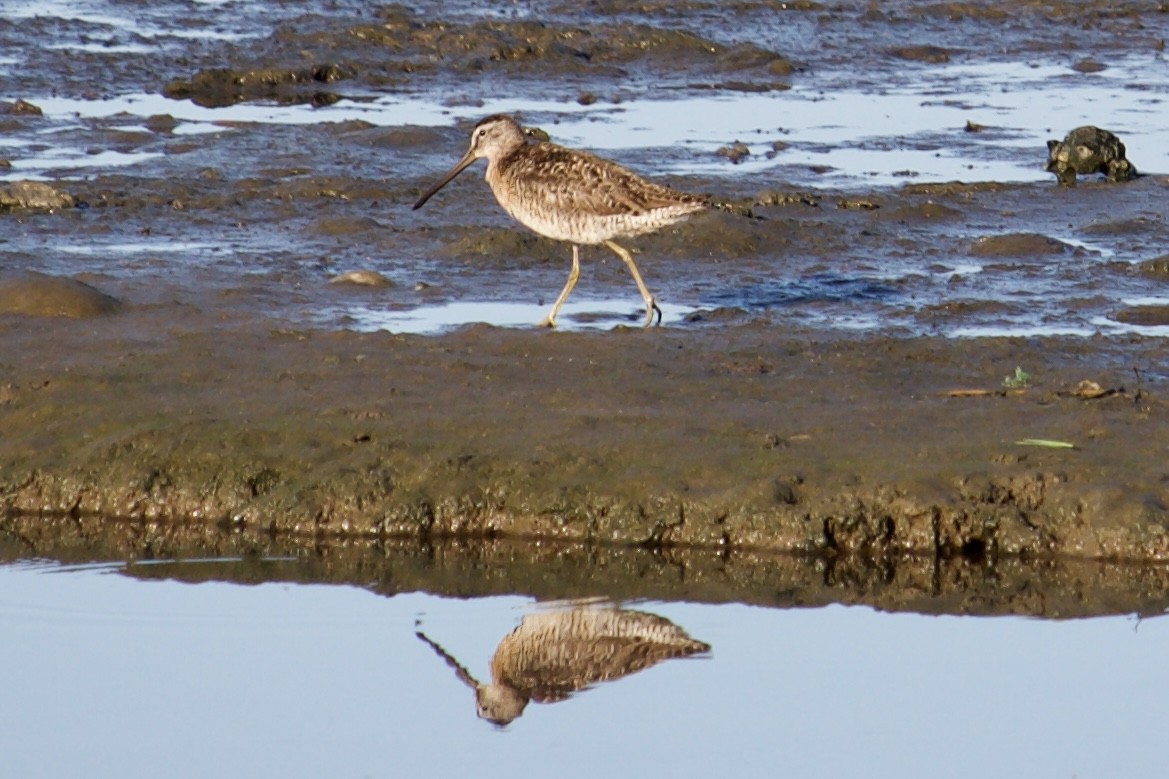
(483, 132)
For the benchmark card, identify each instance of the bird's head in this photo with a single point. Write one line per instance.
(493, 138)
(499, 703)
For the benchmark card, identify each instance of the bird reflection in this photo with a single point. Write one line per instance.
(552, 654)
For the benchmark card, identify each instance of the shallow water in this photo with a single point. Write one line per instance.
(855, 121)
(909, 129)
(575, 315)
(116, 674)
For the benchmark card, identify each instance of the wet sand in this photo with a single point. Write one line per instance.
(208, 412)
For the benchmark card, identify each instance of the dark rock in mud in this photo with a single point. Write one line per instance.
(218, 87)
(1089, 65)
(344, 226)
(964, 308)
(1157, 268)
(1144, 316)
(1018, 245)
(163, 124)
(808, 199)
(720, 315)
(33, 195)
(780, 67)
(1140, 225)
(1087, 150)
(931, 54)
(736, 152)
(957, 11)
(743, 55)
(411, 43)
(858, 203)
(19, 108)
(37, 294)
(928, 211)
(404, 136)
(361, 278)
(953, 188)
(756, 87)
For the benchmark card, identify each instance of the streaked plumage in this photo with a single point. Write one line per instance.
(570, 195)
(552, 654)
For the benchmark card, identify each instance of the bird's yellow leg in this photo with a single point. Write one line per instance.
(651, 305)
(573, 275)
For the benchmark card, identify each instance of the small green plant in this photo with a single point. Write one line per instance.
(1020, 380)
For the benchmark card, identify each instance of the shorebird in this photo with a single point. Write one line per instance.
(551, 655)
(570, 195)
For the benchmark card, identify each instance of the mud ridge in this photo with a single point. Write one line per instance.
(734, 438)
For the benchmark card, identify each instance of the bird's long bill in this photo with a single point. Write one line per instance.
(463, 674)
(467, 159)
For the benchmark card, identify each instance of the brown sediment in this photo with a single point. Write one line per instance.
(730, 457)
(737, 438)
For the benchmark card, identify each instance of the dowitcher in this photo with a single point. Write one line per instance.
(570, 195)
(553, 654)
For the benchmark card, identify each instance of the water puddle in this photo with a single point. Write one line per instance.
(1034, 331)
(909, 131)
(836, 129)
(408, 685)
(64, 159)
(167, 246)
(97, 19)
(433, 319)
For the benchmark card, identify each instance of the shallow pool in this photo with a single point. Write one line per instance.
(110, 674)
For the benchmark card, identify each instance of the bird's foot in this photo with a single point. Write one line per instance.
(548, 321)
(650, 309)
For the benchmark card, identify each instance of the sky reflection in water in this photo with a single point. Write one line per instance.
(112, 675)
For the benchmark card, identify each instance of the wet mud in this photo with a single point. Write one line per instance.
(187, 401)
(731, 438)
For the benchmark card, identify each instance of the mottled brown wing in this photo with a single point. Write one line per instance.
(578, 182)
(554, 654)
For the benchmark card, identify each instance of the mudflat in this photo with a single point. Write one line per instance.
(189, 400)
(728, 436)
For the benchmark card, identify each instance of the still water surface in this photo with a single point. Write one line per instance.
(113, 675)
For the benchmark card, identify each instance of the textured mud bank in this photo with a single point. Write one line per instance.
(179, 385)
(738, 437)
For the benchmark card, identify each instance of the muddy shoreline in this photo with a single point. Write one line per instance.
(729, 437)
(221, 398)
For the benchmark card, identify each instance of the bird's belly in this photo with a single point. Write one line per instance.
(584, 228)
(573, 227)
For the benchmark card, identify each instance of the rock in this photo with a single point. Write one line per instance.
(1157, 268)
(1144, 316)
(362, 278)
(1089, 65)
(1086, 150)
(736, 152)
(219, 87)
(1017, 245)
(19, 107)
(38, 294)
(163, 124)
(934, 55)
(33, 195)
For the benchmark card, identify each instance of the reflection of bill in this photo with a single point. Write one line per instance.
(552, 654)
